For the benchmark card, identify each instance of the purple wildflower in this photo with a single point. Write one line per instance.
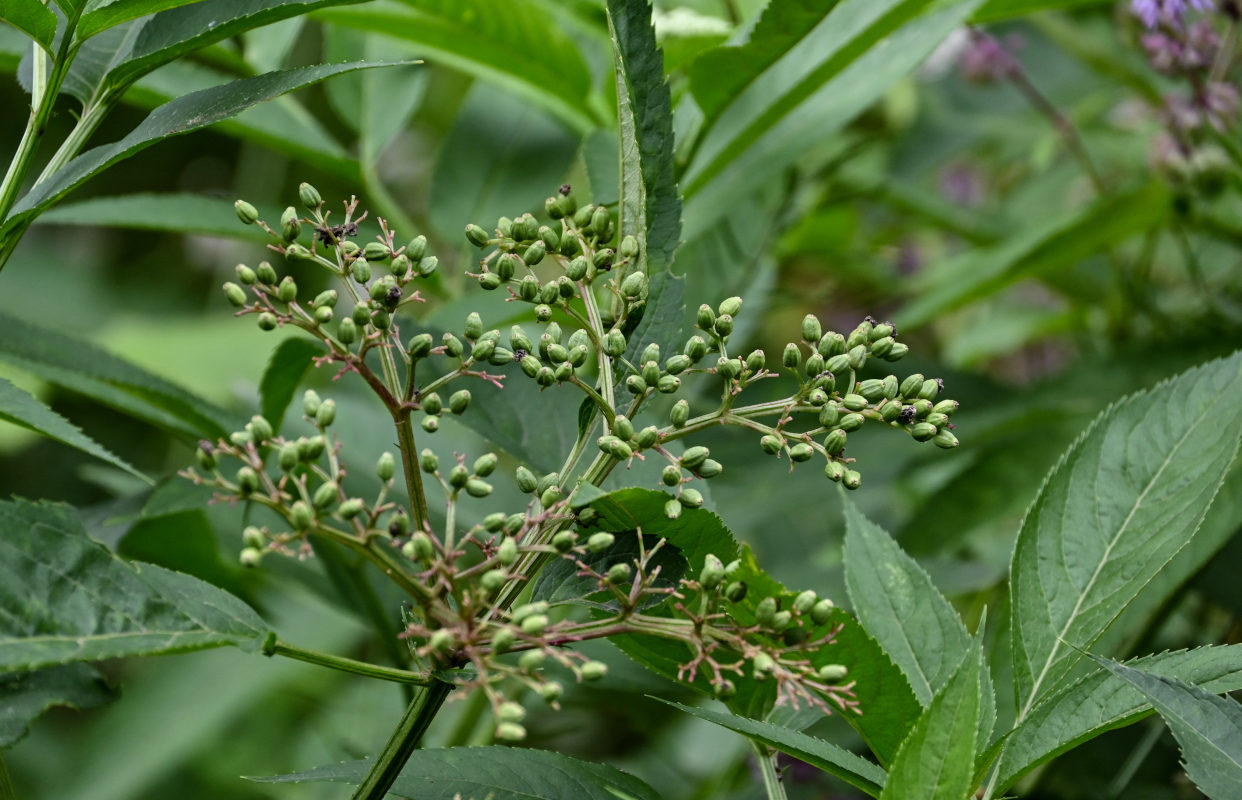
(1170, 12)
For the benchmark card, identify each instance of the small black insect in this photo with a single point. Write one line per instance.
(519, 354)
(330, 236)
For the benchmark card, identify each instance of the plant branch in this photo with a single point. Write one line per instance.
(410, 465)
(279, 648)
(403, 742)
(772, 784)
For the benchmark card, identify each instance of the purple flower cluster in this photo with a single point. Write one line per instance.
(1168, 12)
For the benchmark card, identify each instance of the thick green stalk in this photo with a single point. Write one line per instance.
(279, 648)
(772, 784)
(403, 742)
(413, 472)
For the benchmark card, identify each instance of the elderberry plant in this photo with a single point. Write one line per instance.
(470, 622)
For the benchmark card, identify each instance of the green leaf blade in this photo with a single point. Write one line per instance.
(22, 409)
(76, 601)
(25, 696)
(936, 761)
(498, 773)
(106, 15)
(898, 604)
(849, 767)
(1124, 500)
(31, 18)
(290, 362)
(1101, 701)
(1208, 728)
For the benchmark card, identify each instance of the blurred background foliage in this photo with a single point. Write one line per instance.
(1016, 204)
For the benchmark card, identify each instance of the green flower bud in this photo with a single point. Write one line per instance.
(550, 238)
(477, 236)
(672, 508)
(712, 574)
(485, 465)
(801, 451)
(946, 407)
(756, 361)
(833, 672)
(629, 247)
(765, 611)
(326, 495)
(817, 397)
(288, 459)
(326, 414)
(805, 601)
(599, 542)
(564, 288)
(459, 401)
(377, 251)
(309, 196)
(706, 318)
(668, 384)
(897, 352)
(492, 581)
(851, 422)
(323, 315)
(535, 253)
(871, 389)
(600, 218)
(735, 592)
(939, 420)
(418, 548)
(241, 438)
(526, 480)
(236, 295)
(428, 461)
(400, 265)
(634, 285)
(265, 273)
(814, 365)
(361, 315)
(619, 573)
(312, 448)
(483, 350)
(731, 306)
(564, 541)
(593, 670)
(883, 347)
(432, 404)
(247, 213)
(490, 281)
(250, 556)
(781, 620)
(851, 479)
(829, 414)
(398, 523)
(246, 275)
(889, 387)
(651, 372)
(821, 612)
(858, 357)
(535, 624)
(428, 265)
(728, 368)
(671, 476)
(548, 497)
(710, 468)
(287, 291)
(891, 410)
(351, 508)
(452, 345)
(930, 389)
(297, 253)
(791, 357)
(834, 442)
(635, 384)
(582, 217)
(348, 248)
(680, 413)
(811, 330)
(442, 641)
(531, 660)
(831, 344)
(723, 326)
(923, 431)
(290, 225)
(675, 365)
(478, 488)
(910, 387)
(771, 444)
(690, 497)
(458, 476)
(944, 438)
(838, 363)
(694, 456)
(253, 537)
(300, 515)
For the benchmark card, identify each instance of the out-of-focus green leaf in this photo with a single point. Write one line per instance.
(75, 601)
(1123, 501)
(936, 761)
(485, 171)
(32, 18)
(182, 541)
(506, 42)
(849, 767)
(24, 696)
(182, 115)
(834, 72)
(1208, 727)
(105, 15)
(498, 773)
(22, 409)
(180, 213)
(996, 10)
(650, 208)
(290, 362)
(898, 604)
(561, 580)
(1101, 701)
(1046, 247)
(81, 366)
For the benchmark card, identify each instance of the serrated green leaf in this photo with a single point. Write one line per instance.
(898, 604)
(180, 213)
(1045, 247)
(936, 761)
(290, 362)
(1127, 496)
(107, 14)
(32, 18)
(70, 599)
(25, 696)
(78, 365)
(1100, 701)
(650, 208)
(497, 773)
(659, 321)
(493, 40)
(1208, 728)
(182, 115)
(849, 767)
(816, 87)
(22, 409)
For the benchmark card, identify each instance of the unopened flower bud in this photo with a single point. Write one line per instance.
(247, 213)
(811, 330)
(548, 497)
(764, 666)
(690, 497)
(635, 384)
(312, 448)
(634, 285)
(805, 601)
(833, 672)
(351, 508)
(771, 444)
(442, 641)
(288, 458)
(326, 414)
(290, 225)
(694, 456)
(287, 291)
(526, 480)
(712, 574)
(680, 413)
(801, 452)
(872, 389)
(551, 691)
(594, 670)
(326, 495)
(478, 488)
(705, 319)
(428, 461)
(946, 407)
(671, 476)
(821, 612)
(923, 431)
(309, 196)
(477, 236)
(619, 573)
(882, 347)
(250, 556)
(858, 357)
(236, 295)
(944, 438)
(599, 542)
(851, 479)
(427, 265)
(532, 659)
(459, 401)
(851, 422)
(735, 592)
(897, 352)
(300, 515)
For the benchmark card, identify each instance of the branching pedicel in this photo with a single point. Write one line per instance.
(464, 583)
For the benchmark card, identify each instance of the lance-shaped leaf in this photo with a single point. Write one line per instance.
(22, 409)
(497, 773)
(32, 18)
(936, 761)
(25, 696)
(185, 114)
(898, 604)
(68, 599)
(1101, 701)
(289, 364)
(107, 14)
(1208, 727)
(849, 767)
(1119, 506)
(78, 365)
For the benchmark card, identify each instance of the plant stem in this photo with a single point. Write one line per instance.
(410, 465)
(279, 648)
(772, 785)
(403, 742)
